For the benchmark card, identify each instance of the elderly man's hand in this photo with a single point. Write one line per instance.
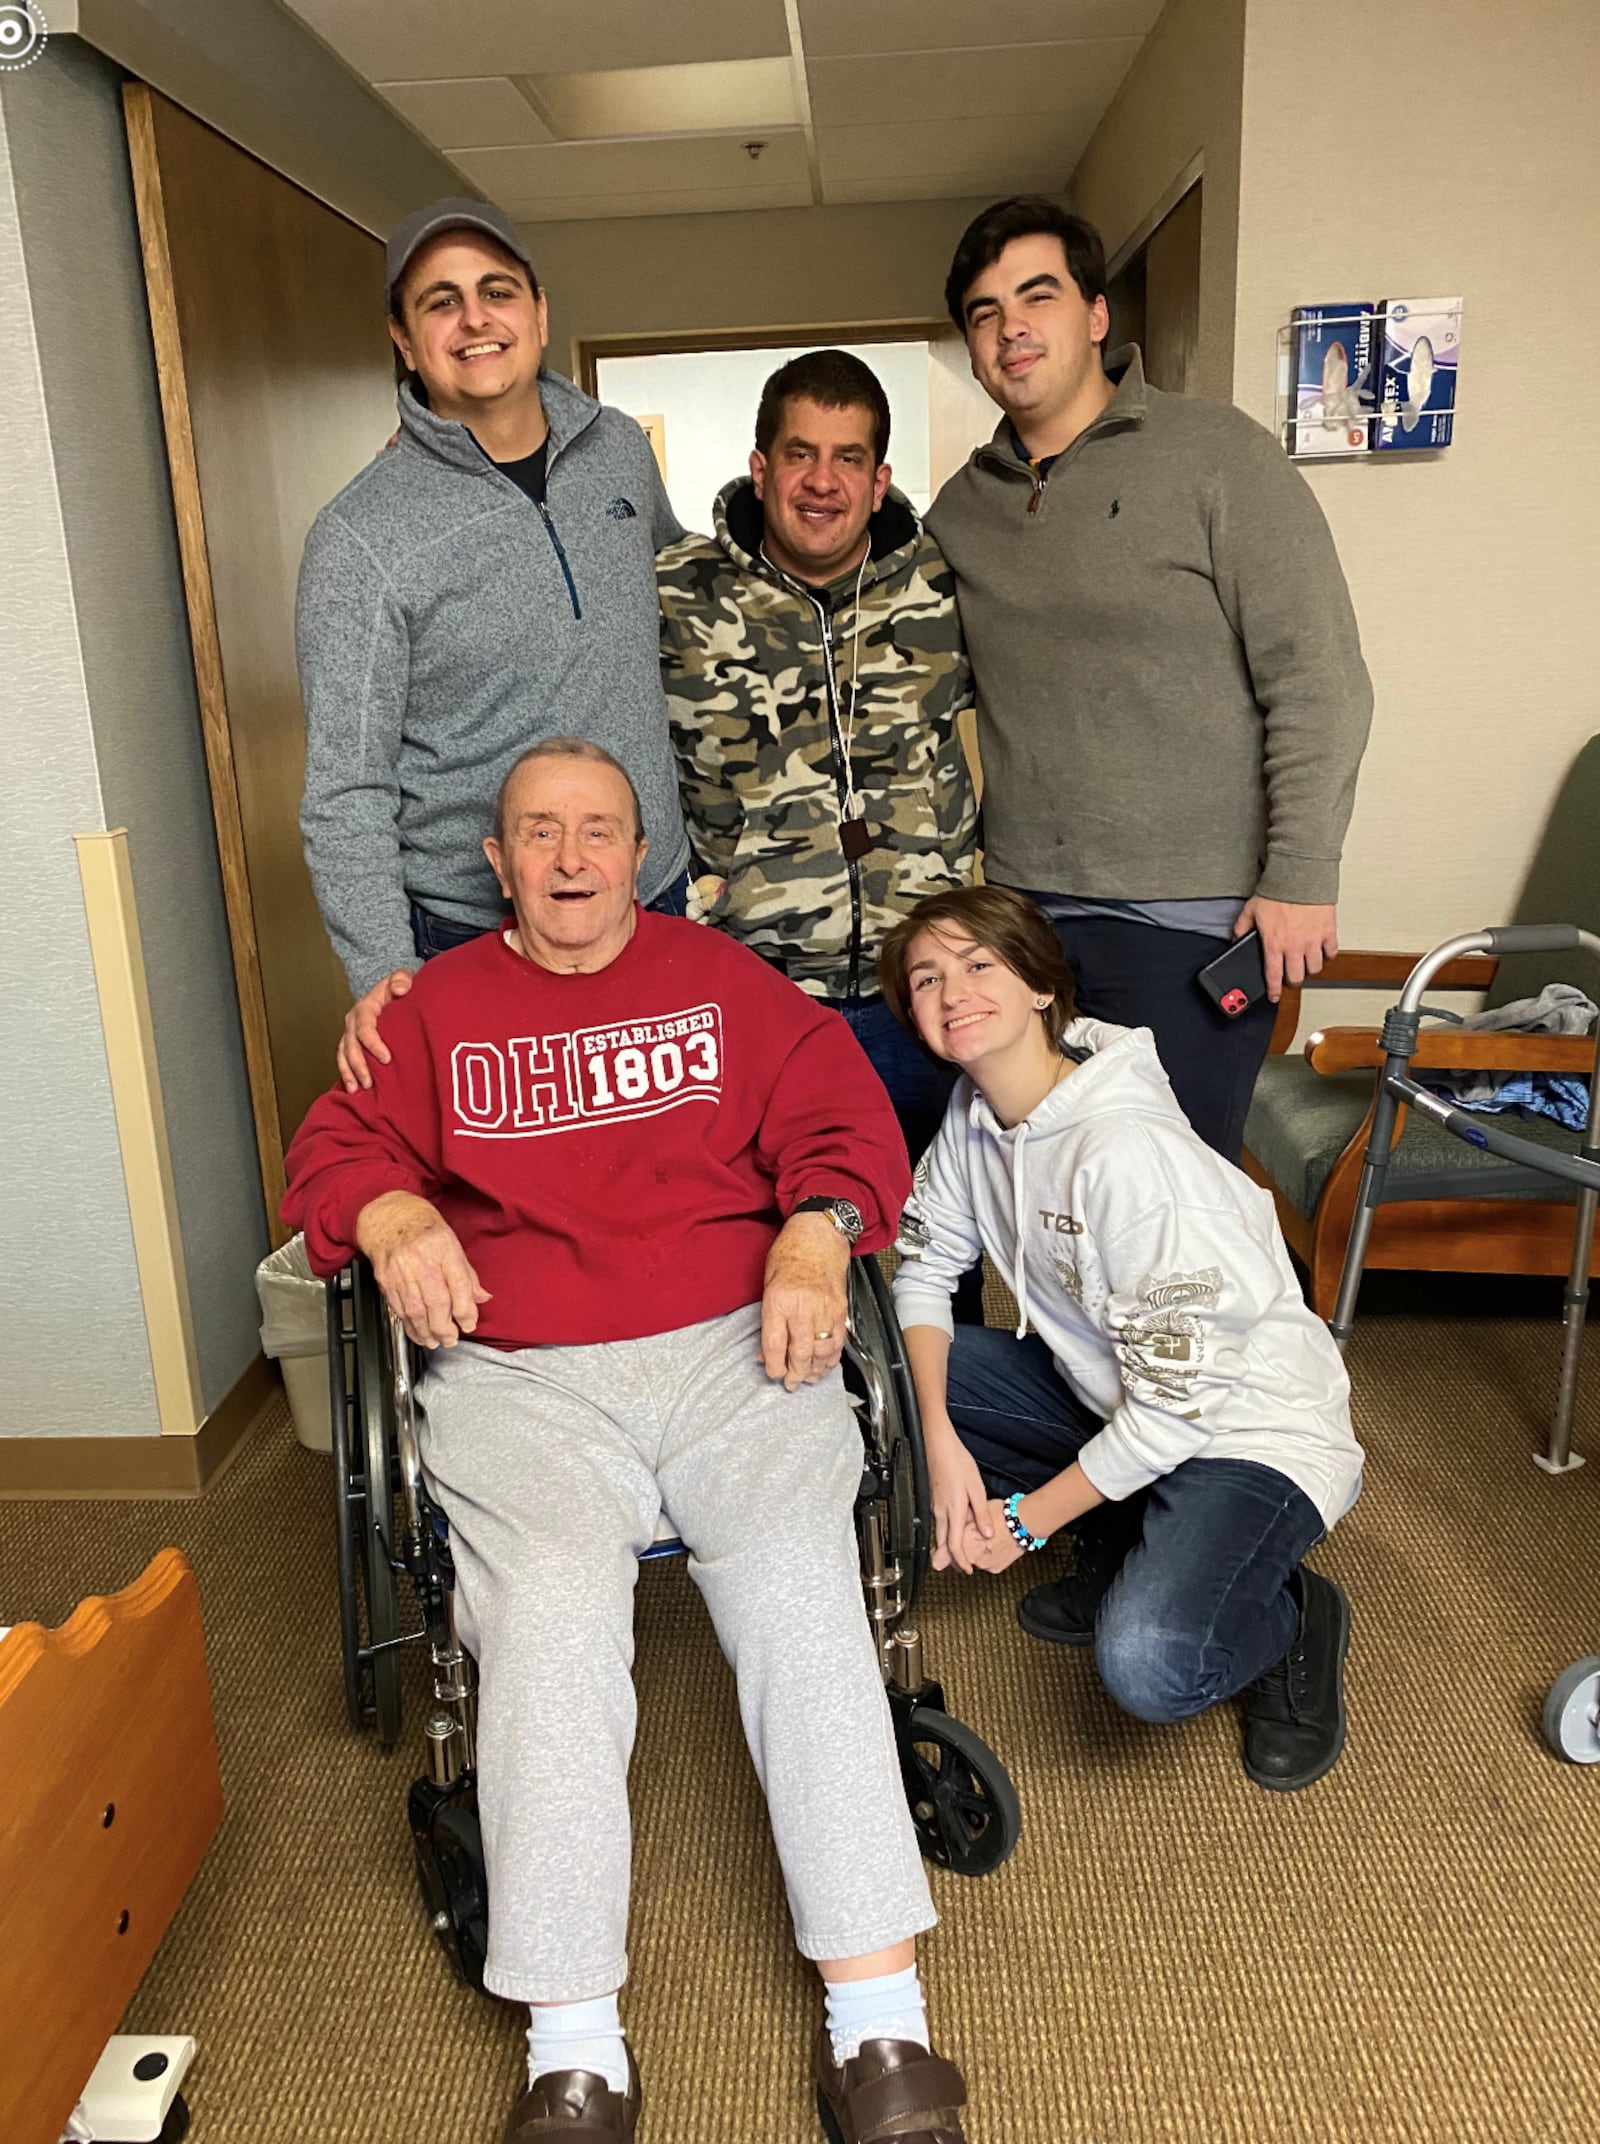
(420, 1266)
(804, 1300)
(361, 1038)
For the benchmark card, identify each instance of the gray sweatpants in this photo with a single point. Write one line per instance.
(552, 1465)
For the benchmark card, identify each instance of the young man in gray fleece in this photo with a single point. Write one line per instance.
(488, 581)
(1172, 704)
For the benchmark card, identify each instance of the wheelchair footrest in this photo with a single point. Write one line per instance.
(450, 1873)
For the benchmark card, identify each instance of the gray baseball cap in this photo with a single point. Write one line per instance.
(448, 215)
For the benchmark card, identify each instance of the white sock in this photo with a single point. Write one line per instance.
(891, 2007)
(578, 2036)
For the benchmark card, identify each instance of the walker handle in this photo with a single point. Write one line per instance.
(1533, 938)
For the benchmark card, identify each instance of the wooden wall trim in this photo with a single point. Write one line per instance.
(107, 877)
(154, 1469)
(209, 680)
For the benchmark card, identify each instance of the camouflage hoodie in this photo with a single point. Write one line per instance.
(763, 676)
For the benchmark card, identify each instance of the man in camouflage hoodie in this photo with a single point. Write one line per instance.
(814, 671)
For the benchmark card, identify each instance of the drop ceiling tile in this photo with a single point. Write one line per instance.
(1029, 141)
(846, 26)
(1075, 80)
(713, 94)
(481, 113)
(420, 40)
(570, 171)
(703, 201)
(991, 186)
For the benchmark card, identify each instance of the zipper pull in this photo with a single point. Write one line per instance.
(1036, 496)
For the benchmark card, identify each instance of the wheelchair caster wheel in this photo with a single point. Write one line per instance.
(962, 1801)
(1572, 1713)
(450, 1875)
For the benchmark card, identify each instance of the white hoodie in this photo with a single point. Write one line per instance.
(1151, 1268)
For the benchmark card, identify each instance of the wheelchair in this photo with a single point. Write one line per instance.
(390, 1536)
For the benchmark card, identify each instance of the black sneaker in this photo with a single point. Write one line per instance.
(1063, 1613)
(1294, 1714)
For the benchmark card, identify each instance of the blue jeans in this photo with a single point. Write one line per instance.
(1202, 1603)
(432, 934)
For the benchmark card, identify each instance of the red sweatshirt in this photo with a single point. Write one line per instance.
(617, 1150)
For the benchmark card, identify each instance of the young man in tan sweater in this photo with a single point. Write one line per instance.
(1172, 704)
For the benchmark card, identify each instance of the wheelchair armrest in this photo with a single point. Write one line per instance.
(1353, 1049)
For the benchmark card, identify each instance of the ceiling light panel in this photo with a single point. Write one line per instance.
(421, 41)
(710, 97)
(483, 113)
(845, 26)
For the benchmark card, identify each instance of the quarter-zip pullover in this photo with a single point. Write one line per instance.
(448, 620)
(1171, 698)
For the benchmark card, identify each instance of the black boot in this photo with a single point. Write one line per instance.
(1063, 1612)
(1294, 1714)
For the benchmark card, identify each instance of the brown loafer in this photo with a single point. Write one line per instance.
(569, 2106)
(893, 2092)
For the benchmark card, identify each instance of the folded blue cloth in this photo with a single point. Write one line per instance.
(1559, 1009)
(1531, 1094)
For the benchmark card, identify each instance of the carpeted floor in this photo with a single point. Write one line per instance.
(1406, 1954)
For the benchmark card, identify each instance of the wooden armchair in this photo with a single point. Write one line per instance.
(1447, 1208)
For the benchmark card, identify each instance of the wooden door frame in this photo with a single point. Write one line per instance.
(189, 513)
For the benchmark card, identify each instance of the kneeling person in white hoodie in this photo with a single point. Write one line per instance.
(1167, 1397)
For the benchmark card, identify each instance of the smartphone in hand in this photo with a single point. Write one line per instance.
(1236, 979)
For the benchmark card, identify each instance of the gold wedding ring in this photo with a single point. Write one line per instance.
(828, 1335)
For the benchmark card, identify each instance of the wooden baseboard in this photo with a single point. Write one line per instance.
(131, 1468)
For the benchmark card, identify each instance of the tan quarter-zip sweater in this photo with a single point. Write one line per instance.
(1171, 698)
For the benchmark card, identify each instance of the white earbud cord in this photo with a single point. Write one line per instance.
(853, 807)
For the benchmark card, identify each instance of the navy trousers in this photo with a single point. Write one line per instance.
(1140, 975)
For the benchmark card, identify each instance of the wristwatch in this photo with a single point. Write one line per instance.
(845, 1217)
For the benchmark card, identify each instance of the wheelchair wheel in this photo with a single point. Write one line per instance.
(1572, 1713)
(909, 1501)
(450, 1875)
(379, 1532)
(364, 1488)
(962, 1801)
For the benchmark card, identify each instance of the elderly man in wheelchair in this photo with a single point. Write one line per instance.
(611, 1178)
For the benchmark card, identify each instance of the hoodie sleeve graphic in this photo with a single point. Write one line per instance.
(1179, 1330)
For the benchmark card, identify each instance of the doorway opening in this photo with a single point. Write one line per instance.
(698, 405)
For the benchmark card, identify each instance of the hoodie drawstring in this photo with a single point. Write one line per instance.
(1019, 1265)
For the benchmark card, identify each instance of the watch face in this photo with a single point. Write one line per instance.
(848, 1218)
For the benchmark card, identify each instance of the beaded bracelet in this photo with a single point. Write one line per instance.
(1014, 1526)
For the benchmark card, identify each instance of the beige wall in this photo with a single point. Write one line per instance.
(766, 268)
(1465, 169)
(1181, 100)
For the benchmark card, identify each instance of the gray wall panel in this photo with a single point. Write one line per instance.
(74, 1359)
(79, 235)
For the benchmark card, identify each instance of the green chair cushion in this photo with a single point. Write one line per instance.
(1301, 1121)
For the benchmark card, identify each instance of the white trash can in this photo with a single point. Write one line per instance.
(294, 1335)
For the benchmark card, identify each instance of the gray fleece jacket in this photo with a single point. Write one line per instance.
(1171, 697)
(444, 624)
